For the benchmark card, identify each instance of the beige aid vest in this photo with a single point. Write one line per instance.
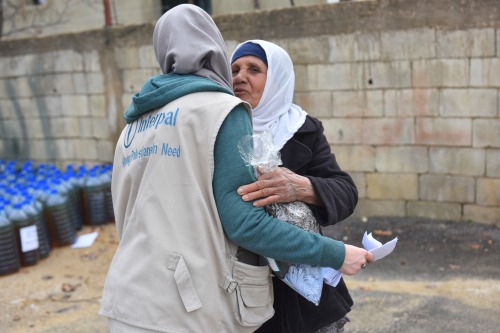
(174, 269)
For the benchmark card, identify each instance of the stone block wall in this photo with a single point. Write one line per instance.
(408, 93)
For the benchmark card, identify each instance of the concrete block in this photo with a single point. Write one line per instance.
(444, 188)
(86, 149)
(50, 106)
(75, 105)
(354, 47)
(64, 149)
(100, 128)
(437, 73)
(360, 182)
(231, 46)
(67, 127)
(388, 131)
(435, 210)
(493, 163)
(23, 87)
(345, 76)
(4, 86)
(484, 72)
(18, 108)
(39, 149)
(126, 100)
(91, 61)
(127, 58)
(36, 128)
(66, 61)
(12, 129)
(411, 102)
(105, 151)
(308, 50)
(394, 186)
(301, 78)
(17, 65)
(318, 104)
(385, 75)
(80, 83)
(481, 214)
(401, 159)
(498, 42)
(363, 103)
(50, 149)
(63, 83)
(98, 106)
(486, 133)
(488, 192)
(470, 43)
(8, 109)
(95, 83)
(469, 103)
(444, 131)
(372, 208)
(147, 57)
(457, 161)
(408, 44)
(343, 130)
(86, 131)
(355, 158)
(134, 79)
(6, 150)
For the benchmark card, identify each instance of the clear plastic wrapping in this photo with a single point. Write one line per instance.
(258, 151)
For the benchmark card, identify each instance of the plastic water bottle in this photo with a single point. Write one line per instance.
(58, 216)
(26, 235)
(94, 199)
(75, 197)
(9, 255)
(34, 208)
(105, 177)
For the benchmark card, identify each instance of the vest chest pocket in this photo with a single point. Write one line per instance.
(254, 293)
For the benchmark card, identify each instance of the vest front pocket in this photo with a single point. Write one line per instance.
(254, 293)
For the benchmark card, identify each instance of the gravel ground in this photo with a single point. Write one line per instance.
(442, 277)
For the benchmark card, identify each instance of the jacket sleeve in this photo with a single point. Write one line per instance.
(334, 186)
(251, 227)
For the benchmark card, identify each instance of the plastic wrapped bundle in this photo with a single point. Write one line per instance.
(258, 151)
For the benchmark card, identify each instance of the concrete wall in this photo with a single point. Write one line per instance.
(408, 92)
(21, 18)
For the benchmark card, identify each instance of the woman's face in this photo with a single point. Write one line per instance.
(249, 79)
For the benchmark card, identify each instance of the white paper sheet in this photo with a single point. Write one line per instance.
(85, 240)
(379, 250)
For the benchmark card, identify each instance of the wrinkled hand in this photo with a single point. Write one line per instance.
(355, 258)
(278, 185)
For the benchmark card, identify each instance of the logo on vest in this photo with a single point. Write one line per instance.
(143, 124)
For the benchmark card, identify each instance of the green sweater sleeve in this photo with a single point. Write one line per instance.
(252, 227)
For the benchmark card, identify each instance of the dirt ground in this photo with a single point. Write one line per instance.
(61, 293)
(442, 277)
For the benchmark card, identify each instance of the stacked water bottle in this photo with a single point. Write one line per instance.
(42, 207)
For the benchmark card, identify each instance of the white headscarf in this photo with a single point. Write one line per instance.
(275, 111)
(187, 41)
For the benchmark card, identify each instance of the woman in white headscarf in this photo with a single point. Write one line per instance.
(263, 76)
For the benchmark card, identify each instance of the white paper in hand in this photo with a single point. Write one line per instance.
(378, 249)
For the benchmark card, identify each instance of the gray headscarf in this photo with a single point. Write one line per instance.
(187, 41)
